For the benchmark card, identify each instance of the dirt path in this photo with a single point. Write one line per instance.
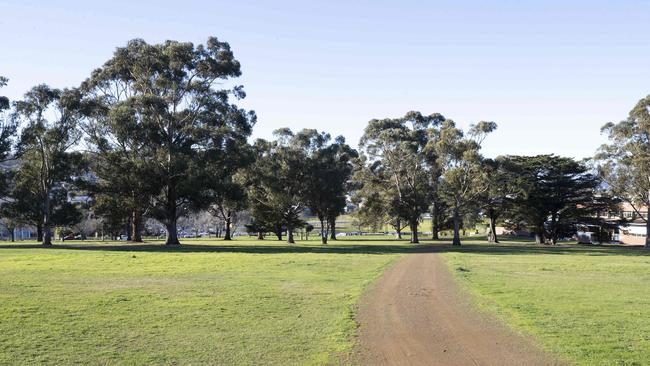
(416, 315)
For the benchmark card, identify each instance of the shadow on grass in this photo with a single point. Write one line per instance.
(357, 246)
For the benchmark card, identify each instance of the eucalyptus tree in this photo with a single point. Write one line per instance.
(624, 163)
(45, 149)
(328, 168)
(7, 137)
(464, 179)
(277, 182)
(167, 109)
(396, 149)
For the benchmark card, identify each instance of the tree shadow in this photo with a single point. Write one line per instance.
(356, 246)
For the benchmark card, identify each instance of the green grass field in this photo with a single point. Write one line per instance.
(589, 305)
(248, 302)
(238, 303)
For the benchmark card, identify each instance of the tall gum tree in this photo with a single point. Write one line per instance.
(624, 163)
(395, 149)
(276, 183)
(50, 120)
(464, 180)
(178, 114)
(329, 169)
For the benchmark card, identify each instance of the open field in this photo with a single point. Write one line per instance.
(587, 304)
(243, 302)
(249, 302)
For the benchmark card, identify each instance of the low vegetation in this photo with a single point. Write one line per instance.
(584, 303)
(244, 303)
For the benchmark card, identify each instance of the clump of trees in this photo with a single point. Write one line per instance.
(155, 135)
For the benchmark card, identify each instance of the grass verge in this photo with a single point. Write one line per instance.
(241, 303)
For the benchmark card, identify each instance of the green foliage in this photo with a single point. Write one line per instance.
(624, 163)
(48, 164)
(558, 195)
(329, 169)
(161, 101)
(277, 184)
(464, 179)
(395, 168)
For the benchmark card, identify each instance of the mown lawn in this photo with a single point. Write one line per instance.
(590, 305)
(238, 303)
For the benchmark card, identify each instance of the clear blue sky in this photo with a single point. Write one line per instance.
(550, 73)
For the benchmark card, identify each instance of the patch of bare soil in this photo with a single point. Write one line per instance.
(417, 315)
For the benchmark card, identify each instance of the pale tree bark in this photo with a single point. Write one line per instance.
(290, 239)
(492, 236)
(434, 222)
(647, 222)
(227, 224)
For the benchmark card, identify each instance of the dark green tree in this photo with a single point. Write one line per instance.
(163, 101)
(277, 183)
(328, 168)
(559, 195)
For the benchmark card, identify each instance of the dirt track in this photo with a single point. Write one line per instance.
(416, 315)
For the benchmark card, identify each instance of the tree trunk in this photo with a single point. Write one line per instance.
(290, 236)
(398, 229)
(539, 236)
(260, 235)
(647, 230)
(456, 240)
(226, 235)
(414, 232)
(136, 226)
(13, 234)
(39, 232)
(278, 231)
(129, 224)
(172, 233)
(332, 222)
(323, 231)
(492, 237)
(434, 222)
(47, 226)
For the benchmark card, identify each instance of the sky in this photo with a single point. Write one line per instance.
(550, 73)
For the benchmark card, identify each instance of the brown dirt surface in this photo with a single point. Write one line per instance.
(417, 315)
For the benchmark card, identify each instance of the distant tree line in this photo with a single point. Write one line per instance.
(155, 134)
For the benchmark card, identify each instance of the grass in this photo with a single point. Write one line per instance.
(587, 304)
(248, 302)
(241, 303)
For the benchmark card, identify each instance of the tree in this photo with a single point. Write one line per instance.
(395, 149)
(328, 170)
(503, 186)
(7, 137)
(47, 161)
(559, 195)
(624, 163)
(464, 179)
(277, 183)
(161, 101)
